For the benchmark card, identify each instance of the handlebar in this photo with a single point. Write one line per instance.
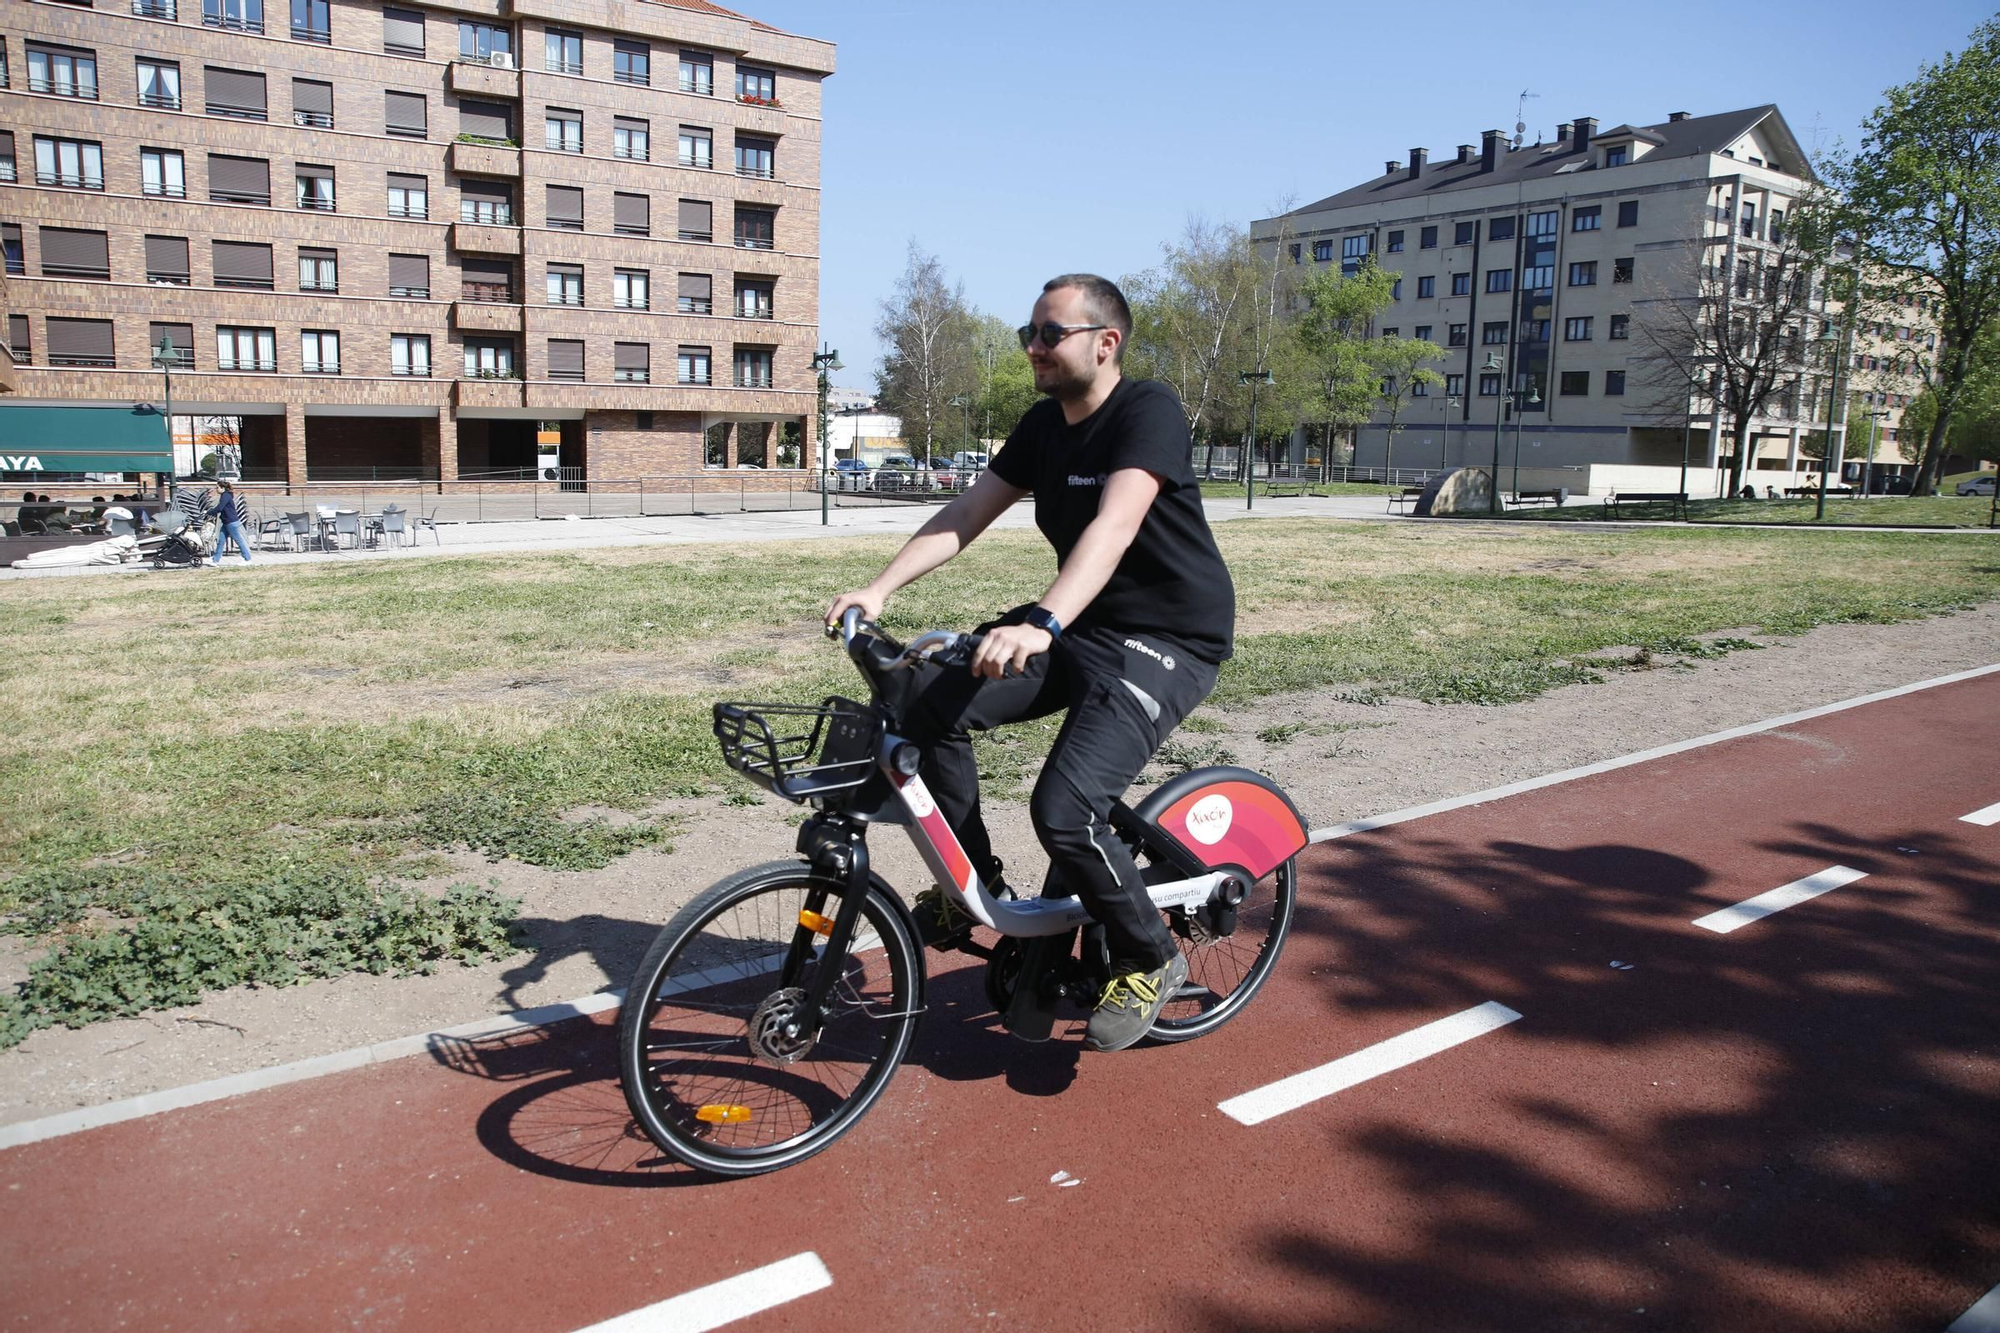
(894, 656)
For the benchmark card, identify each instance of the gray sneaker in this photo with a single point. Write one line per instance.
(1131, 1003)
(940, 925)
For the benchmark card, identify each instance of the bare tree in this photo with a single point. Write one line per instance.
(930, 332)
(1191, 316)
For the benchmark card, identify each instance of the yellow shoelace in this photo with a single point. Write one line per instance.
(1138, 983)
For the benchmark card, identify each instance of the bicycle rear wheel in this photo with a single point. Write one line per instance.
(723, 1067)
(1225, 970)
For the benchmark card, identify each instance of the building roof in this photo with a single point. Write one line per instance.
(704, 7)
(1694, 136)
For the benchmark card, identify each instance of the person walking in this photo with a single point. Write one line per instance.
(231, 511)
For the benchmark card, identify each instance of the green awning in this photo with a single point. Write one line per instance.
(83, 439)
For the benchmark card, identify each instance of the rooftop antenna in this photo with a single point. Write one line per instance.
(1521, 117)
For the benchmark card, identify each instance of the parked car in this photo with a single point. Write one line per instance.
(971, 462)
(1978, 486)
(897, 472)
(850, 474)
(944, 477)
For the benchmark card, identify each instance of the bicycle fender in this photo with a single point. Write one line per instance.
(1228, 816)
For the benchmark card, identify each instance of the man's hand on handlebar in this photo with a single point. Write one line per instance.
(867, 599)
(1006, 649)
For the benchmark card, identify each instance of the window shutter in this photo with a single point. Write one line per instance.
(401, 182)
(239, 178)
(167, 256)
(403, 30)
(630, 124)
(697, 217)
(633, 356)
(242, 261)
(17, 336)
(495, 191)
(488, 270)
(631, 48)
(565, 204)
(486, 120)
(631, 212)
(234, 90)
(697, 285)
(308, 95)
(410, 271)
(79, 338)
(6, 143)
(565, 357)
(405, 112)
(314, 173)
(181, 336)
(75, 252)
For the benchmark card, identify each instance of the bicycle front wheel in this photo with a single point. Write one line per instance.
(724, 1066)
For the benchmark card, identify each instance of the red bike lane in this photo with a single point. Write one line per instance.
(1788, 1126)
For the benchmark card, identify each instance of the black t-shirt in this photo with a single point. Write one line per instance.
(1171, 581)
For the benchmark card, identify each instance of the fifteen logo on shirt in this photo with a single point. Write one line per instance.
(1075, 480)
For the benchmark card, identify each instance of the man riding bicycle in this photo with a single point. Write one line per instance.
(1128, 639)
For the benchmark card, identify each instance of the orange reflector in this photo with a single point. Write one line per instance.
(817, 924)
(723, 1115)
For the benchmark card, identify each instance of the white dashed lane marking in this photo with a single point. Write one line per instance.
(1778, 899)
(1983, 1317)
(1289, 1094)
(1986, 818)
(727, 1301)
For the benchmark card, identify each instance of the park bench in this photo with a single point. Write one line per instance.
(1677, 499)
(1521, 499)
(1408, 496)
(1810, 492)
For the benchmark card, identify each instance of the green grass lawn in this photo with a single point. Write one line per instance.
(1220, 489)
(1940, 511)
(237, 777)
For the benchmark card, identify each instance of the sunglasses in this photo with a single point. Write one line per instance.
(1052, 333)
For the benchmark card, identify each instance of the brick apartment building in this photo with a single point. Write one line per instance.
(395, 238)
(1547, 256)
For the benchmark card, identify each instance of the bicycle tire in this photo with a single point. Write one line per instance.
(1266, 911)
(686, 1041)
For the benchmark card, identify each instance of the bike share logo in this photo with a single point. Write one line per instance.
(1164, 659)
(919, 798)
(1209, 820)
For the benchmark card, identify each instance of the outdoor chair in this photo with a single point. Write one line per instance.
(302, 533)
(394, 523)
(347, 523)
(422, 521)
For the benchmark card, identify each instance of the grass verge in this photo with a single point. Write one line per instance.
(1906, 511)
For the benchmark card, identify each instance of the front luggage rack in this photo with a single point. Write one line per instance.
(799, 751)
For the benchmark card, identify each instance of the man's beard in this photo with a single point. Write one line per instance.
(1064, 387)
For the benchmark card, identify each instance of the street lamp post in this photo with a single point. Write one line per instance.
(823, 361)
(1497, 367)
(1256, 379)
(1868, 465)
(166, 358)
(1450, 410)
(1521, 406)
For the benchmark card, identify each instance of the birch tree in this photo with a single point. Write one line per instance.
(929, 332)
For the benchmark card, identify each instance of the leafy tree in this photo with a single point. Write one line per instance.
(1924, 191)
(928, 329)
(1007, 381)
(1337, 381)
(1401, 364)
(1192, 317)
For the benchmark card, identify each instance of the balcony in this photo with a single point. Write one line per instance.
(489, 393)
(156, 9)
(486, 78)
(63, 87)
(473, 239)
(478, 316)
(316, 120)
(485, 159)
(232, 22)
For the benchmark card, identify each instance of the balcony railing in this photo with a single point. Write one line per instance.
(496, 59)
(643, 78)
(234, 196)
(417, 211)
(565, 224)
(236, 112)
(314, 201)
(402, 49)
(310, 285)
(167, 279)
(491, 373)
(755, 312)
(696, 378)
(558, 65)
(699, 161)
(699, 87)
(62, 88)
(414, 293)
(575, 375)
(246, 284)
(318, 120)
(632, 154)
(83, 362)
(73, 271)
(755, 172)
(755, 243)
(7, 172)
(566, 298)
(411, 372)
(163, 190)
(752, 379)
(695, 305)
(156, 9)
(632, 303)
(489, 215)
(303, 33)
(684, 235)
(320, 367)
(232, 22)
(753, 99)
(246, 363)
(161, 101)
(631, 376)
(490, 293)
(631, 229)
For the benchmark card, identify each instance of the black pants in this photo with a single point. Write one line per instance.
(1124, 693)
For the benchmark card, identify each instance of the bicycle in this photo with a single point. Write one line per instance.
(772, 1011)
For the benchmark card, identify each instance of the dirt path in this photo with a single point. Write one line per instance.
(1340, 760)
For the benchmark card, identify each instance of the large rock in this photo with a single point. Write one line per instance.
(1463, 492)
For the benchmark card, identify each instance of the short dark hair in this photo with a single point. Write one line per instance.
(1102, 299)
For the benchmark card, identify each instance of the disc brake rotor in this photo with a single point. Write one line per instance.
(779, 1032)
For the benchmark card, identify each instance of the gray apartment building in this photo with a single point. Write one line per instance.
(1546, 257)
(397, 239)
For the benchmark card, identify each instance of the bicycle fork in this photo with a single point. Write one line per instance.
(839, 850)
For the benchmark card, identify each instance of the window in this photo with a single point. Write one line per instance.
(319, 352)
(145, 9)
(410, 276)
(631, 214)
(69, 253)
(1392, 333)
(1353, 249)
(1418, 389)
(245, 349)
(1577, 330)
(1454, 385)
(489, 359)
(1493, 333)
(565, 359)
(754, 300)
(402, 32)
(632, 363)
(319, 270)
(62, 72)
(166, 260)
(1427, 239)
(162, 173)
(1628, 213)
(631, 62)
(562, 131)
(753, 443)
(159, 84)
(486, 280)
(1427, 286)
(758, 86)
(235, 93)
(1322, 251)
(1489, 386)
(486, 44)
(312, 103)
(756, 228)
(236, 15)
(753, 368)
(239, 180)
(697, 220)
(564, 210)
(1617, 157)
(1461, 284)
(692, 366)
(1396, 290)
(698, 74)
(80, 342)
(1423, 333)
(1621, 328)
(1499, 279)
(697, 147)
(1621, 270)
(1777, 226)
(694, 298)
(715, 445)
(17, 340)
(1614, 384)
(1583, 275)
(565, 284)
(410, 354)
(486, 122)
(1573, 383)
(1500, 229)
(178, 337)
(1543, 224)
(1587, 219)
(410, 197)
(1534, 331)
(755, 157)
(1750, 220)
(405, 114)
(1395, 242)
(563, 52)
(631, 289)
(1455, 335)
(630, 139)
(310, 22)
(1464, 232)
(315, 187)
(245, 264)
(76, 164)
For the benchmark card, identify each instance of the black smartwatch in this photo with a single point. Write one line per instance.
(1042, 618)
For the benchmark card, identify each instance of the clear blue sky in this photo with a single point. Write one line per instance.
(1021, 141)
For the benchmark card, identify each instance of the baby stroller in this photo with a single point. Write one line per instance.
(190, 528)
